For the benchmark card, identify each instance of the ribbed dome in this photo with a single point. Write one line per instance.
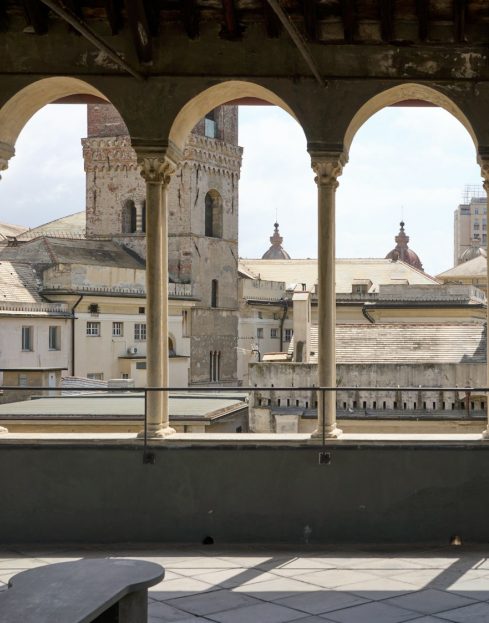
(473, 251)
(402, 252)
(276, 251)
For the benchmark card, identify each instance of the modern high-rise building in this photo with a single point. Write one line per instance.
(470, 223)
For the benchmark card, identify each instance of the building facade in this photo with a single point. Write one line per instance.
(470, 223)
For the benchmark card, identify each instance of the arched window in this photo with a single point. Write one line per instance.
(213, 214)
(210, 125)
(171, 348)
(128, 217)
(214, 365)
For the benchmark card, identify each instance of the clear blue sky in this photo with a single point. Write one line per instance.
(410, 161)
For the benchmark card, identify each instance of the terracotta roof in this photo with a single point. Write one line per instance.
(476, 268)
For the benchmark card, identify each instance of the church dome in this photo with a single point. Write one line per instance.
(473, 251)
(276, 251)
(402, 252)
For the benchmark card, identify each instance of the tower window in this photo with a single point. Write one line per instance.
(210, 125)
(213, 214)
(129, 218)
(215, 365)
(214, 292)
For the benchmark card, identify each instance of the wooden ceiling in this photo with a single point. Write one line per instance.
(326, 22)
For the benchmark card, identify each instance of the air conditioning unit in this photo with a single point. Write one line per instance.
(132, 350)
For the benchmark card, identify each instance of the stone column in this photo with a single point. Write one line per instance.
(485, 175)
(157, 169)
(328, 168)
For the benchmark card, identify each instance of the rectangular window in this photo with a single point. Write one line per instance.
(140, 365)
(140, 331)
(22, 380)
(124, 376)
(259, 333)
(142, 310)
(273, 333)
(27, 343)
(210, 125)
(95, 376)
(55, 338)
(93, 329)
(288, 333)
(214, 292)
(117, 329)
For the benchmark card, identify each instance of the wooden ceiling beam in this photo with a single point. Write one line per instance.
(231, 28)
(348, 16)
(4, 18)
(37, 16)
(113, 8)
(272, 22)
(459, 20)
(386, 10)
(310, 19)
(190, 17)
(423, 13)
(138, 23)
(152, 9)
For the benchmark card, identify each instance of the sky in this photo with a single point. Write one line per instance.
(410, 163)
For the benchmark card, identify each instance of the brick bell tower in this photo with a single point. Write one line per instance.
(202, 219)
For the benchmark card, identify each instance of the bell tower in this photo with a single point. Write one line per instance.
(202, 220)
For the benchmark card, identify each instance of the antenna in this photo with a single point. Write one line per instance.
(402, 213)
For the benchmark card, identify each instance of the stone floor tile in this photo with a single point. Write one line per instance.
(372, 612)
(163, 612)
(428, 578)
(321, 601)
(475, 613)
(430, 601)
(275, 589)
(178, 588)
(307, 563)
(229, 578)
(216, 601)
(379, 588)
(258, 613)
(332, 578)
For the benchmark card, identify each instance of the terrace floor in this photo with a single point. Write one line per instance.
(259, 584)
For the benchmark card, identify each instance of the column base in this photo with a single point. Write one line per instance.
(485, 435)
(159, 433)
(3, 430)
(331, 432)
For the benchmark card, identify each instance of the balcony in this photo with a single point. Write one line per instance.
(266, 584)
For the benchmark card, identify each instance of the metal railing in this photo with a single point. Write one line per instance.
(148, 457)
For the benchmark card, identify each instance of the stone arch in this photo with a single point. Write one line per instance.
(213, 217)
(400, 93)
(199, 106)
(17, 111)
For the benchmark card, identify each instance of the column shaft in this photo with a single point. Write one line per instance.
(327, 173)
(156, 169)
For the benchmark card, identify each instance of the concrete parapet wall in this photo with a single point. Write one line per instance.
(398, 493)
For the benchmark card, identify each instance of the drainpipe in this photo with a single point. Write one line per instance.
(285, 305)
(367, 315)
(73, 318)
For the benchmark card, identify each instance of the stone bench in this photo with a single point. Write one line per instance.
(101, 590)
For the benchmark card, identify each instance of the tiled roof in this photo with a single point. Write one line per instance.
(407, 343)
(51, 251)
(378, 271)
(18, 283)
(71, 225)
(473, 268)
(10, 230)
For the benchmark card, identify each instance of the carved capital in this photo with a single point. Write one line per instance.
(327, 171)
(484, 164)
(158, 161)
(6, 152)
(156, 169)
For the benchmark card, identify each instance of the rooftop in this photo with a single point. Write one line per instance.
(303, 584)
